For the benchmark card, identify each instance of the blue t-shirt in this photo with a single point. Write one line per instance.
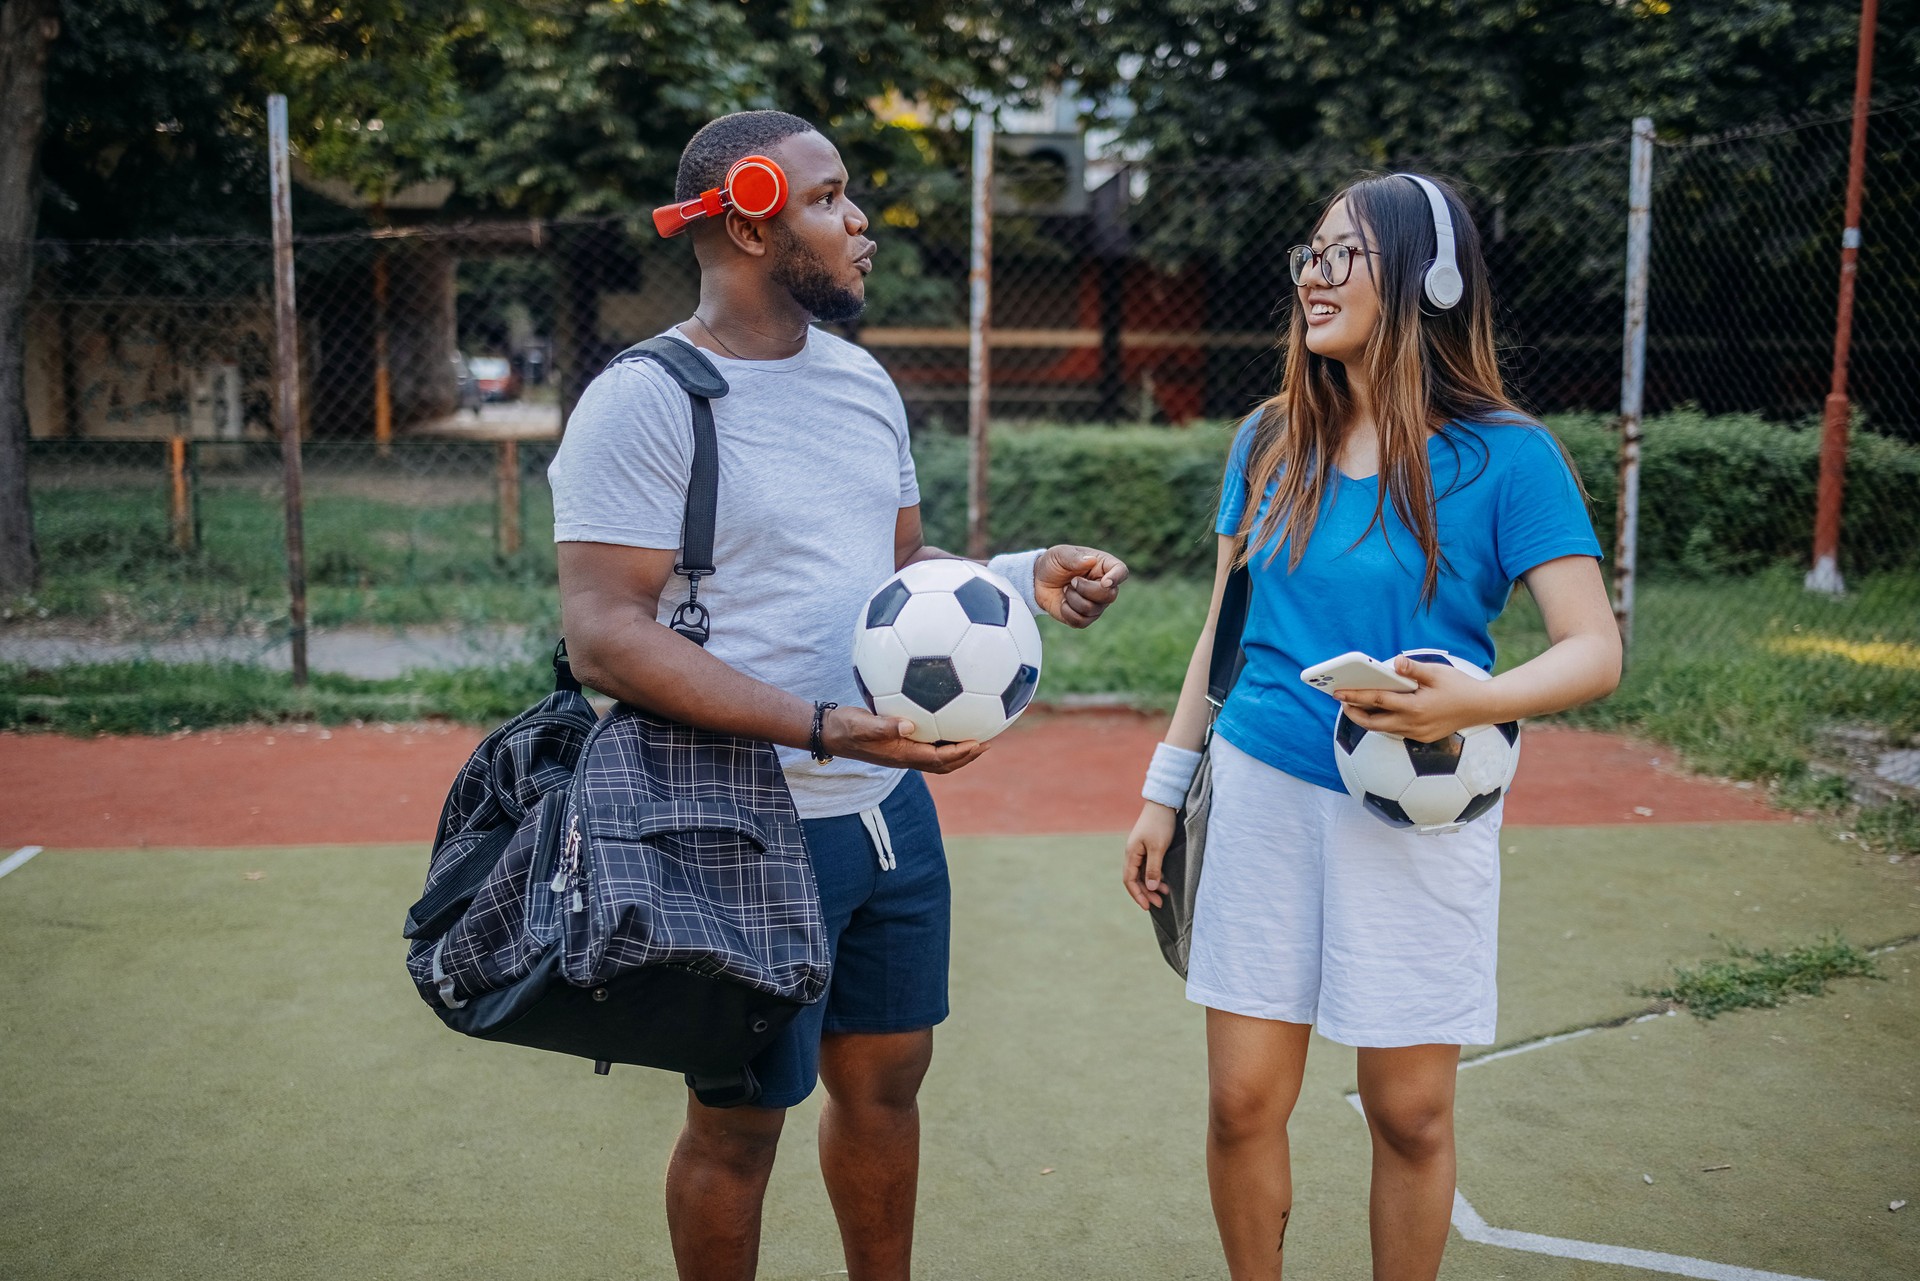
(1507, 502)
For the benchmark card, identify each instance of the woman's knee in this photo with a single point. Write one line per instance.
(1245, 1108)
(1254, 1069)
(1416, 1126)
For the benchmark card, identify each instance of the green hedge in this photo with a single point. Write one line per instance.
(1735, 493)
(1147, 494)
(1729, 494)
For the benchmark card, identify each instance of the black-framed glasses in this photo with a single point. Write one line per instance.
(1335, 262)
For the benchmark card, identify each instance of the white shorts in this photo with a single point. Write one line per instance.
(1313, 911)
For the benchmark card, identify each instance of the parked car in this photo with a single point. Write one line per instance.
(496, 377)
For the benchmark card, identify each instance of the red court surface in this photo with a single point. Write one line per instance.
(1053, 772)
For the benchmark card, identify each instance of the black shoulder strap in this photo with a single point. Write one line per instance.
(1223, 668)
(690, 368)
(563, 678)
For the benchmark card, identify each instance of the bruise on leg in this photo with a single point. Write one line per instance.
(1286, 1217)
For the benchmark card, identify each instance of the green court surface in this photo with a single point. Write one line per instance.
(208, 1073)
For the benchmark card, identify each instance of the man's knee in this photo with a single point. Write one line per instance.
(740, 1140)
(879, 1071)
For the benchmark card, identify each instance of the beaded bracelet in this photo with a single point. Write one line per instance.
(814, 744)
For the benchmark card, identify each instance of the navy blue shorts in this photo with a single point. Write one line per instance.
(888, 915)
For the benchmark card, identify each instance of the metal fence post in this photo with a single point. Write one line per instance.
(286, 377)
(382, 372)
(1825, 574)
(507, 497)
(979, 332)
(1633, 375)
(182, 517)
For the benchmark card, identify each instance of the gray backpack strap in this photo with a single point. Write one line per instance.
(695, 374)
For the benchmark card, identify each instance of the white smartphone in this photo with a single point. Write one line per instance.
(1354, 670)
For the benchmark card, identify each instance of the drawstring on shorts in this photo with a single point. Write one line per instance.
(876, 824)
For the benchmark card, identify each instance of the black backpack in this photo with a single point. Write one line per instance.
(629, 890)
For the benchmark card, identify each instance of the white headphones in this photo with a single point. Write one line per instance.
(1442, 284)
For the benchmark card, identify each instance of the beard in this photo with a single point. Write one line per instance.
(805, 276)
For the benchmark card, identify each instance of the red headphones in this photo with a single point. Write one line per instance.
(755, 188)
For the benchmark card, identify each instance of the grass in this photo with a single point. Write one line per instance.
(1740, 675)
(1743, 674)
(1763, 979)
(380, 550)
(161, 698)
(1138, 649)
(1893, 828)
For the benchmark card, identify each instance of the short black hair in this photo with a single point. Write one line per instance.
(712, 151)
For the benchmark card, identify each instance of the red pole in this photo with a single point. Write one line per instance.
(1825, 574)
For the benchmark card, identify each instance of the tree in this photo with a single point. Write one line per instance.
(554, 108)
(1225, 80)
(27, 30)
(156, 121)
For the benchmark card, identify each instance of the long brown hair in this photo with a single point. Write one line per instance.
(1424, 367)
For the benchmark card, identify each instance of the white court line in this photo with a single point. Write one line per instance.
(1526, 1046)
(1476, 1229)
(18, 858)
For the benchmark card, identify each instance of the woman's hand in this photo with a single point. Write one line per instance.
(1146, 846)
(856, 733)
(1447, 701)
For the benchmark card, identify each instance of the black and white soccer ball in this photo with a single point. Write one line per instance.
(1430, 787)
(949, 646)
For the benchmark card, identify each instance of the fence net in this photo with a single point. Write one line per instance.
(437, 364)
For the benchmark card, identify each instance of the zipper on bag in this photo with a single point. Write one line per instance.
(570, 872)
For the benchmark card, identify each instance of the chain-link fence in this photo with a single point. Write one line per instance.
(438, 363)
(185, 537)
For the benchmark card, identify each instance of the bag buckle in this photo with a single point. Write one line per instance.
(691, 619)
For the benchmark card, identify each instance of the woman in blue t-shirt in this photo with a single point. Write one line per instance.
(1401, 495)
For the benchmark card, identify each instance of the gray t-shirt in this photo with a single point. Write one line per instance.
(814, 469)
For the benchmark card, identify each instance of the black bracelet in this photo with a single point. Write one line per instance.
(814, 744)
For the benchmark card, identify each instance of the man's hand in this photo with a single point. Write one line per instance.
(882, 740)
(1446, 702)
(1076, 584)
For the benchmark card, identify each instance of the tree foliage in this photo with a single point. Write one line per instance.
(584, 107)
(157, 107)
(1225, 79)
(555, 107)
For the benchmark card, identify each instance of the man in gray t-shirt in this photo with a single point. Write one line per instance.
(814, 473)
(817, 506)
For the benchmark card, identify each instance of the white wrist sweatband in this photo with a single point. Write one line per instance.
(1017, 568)
(1170, 775)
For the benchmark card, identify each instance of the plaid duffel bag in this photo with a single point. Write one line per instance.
(629, 891)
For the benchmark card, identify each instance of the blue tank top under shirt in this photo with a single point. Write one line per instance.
(1507, 502)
